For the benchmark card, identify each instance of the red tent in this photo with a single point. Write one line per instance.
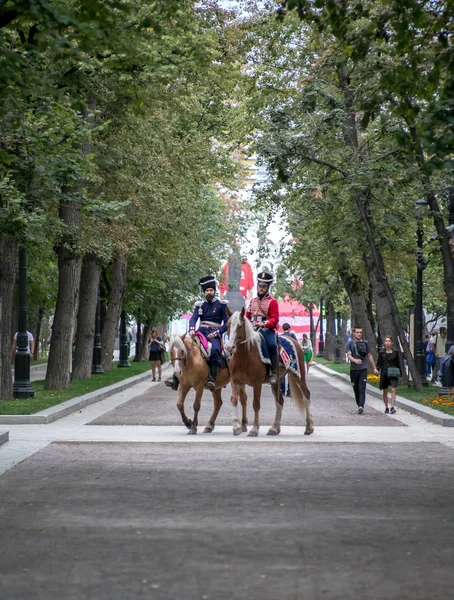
(297, 316)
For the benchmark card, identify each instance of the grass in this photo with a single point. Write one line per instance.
(47, 398)
(430, 396)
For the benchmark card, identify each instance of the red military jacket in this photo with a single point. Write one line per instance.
(265, 311)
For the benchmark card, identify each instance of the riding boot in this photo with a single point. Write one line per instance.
(274, 369)
(173, 382)
(210, 383)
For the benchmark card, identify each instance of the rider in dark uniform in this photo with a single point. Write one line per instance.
(213, 315)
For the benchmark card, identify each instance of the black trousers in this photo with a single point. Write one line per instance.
(358, 377)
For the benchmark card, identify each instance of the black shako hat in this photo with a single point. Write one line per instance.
(209, 281)
(265, 277)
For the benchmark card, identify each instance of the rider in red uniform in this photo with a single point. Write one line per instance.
(263, 312)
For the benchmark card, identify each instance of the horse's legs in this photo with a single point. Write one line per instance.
(256, 407)
(196, 406)
(243, 400)
(236, 391)
(275, 429)
(307, 403)
(217, 403)
(182, 393)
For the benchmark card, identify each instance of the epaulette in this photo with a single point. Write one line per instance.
(198, 303)
(224, 301)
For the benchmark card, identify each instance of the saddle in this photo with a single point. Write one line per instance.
(203, 344)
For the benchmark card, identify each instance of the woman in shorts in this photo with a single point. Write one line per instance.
(156, 346)
(388, 358)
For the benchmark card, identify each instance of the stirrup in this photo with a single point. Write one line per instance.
(210, 384)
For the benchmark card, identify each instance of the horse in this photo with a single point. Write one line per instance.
(192, 371)
(247, 368)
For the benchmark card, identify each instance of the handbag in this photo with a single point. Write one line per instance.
(431, 358)
(393, 372)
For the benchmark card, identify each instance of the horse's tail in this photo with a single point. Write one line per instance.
(298, 388)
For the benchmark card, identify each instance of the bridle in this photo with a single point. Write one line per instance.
(183, 359)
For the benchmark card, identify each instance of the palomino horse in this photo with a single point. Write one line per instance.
(192, 371)
(247, 368)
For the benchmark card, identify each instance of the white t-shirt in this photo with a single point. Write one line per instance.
(30, 339)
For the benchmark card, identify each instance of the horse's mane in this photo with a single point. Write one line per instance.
(177, 341)
(251, 337)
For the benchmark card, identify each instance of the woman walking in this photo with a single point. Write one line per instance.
(390, 370)
(156, 346)
(306, 345)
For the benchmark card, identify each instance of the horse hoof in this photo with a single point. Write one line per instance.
(309, 431)
(192, 432)
(237, 431)
(208, 430)
(272, 431)
(188, 425)
(244, 428)
(253, 433)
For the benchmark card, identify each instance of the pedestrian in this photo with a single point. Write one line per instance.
(429, 357)
(446, 372)
(358, 354)
(390, 368)
(439, 349)
(155, 347)
(31, 344)
(306, 345)
(288, 333)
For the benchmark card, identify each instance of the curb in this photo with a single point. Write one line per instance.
(4, 437)
(49, 415)
(425, 412)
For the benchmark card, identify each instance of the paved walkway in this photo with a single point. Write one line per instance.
(117, 501)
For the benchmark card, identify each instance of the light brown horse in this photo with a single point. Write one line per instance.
(247, 368)
(192, 371)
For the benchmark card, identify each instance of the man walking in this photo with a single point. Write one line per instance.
(357, 353)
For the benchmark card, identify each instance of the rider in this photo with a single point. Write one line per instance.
(263, 312)
(213, 315)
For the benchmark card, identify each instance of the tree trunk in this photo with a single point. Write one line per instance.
(38, 333)
(69, 266)
(330, 334)
(9, 252)
(145, 338)
(360, 317)
(88, 300)
(113, 310)
(387, 312)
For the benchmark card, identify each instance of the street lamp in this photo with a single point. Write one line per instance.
(21, 386)
(421, 264)
(337, 358)
(124, 354)
(139, 344)
(321, 340)
(450, 309)
(96, 363)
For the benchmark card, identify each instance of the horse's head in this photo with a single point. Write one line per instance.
(178, 354)
(241, 331)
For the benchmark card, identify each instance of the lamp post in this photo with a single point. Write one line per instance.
(321, 339)
(96, 363)
(421, 264)
(337, 357)
(450, 309)
(123, 362)
(22, 387)
(139, 344)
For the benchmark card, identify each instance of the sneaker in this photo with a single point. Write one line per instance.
(159, 379)
(360, 410)
(393, 411)
(154, 379)
(387, 411)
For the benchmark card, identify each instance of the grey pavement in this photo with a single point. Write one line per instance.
(116, 501)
